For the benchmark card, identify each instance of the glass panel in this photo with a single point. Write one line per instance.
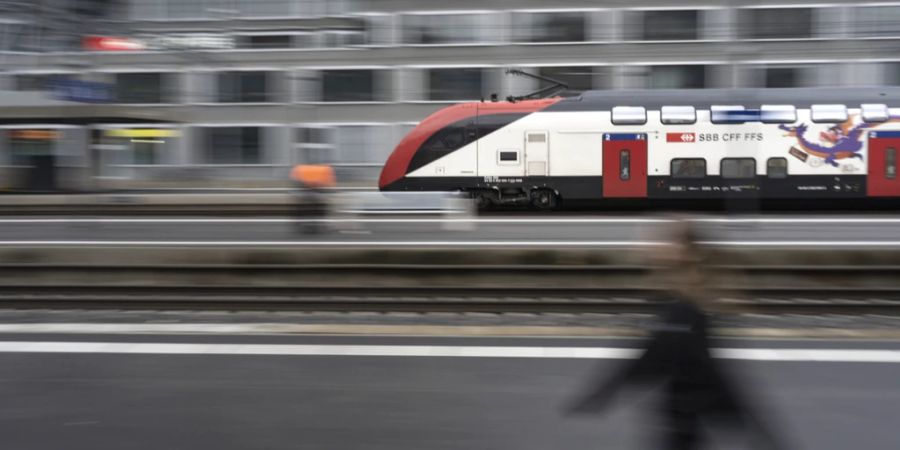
(777, 23)
(670, 25)
(878, 21)
(243, 87)
(738, 168)
(140, 87)
(442, 143)
(239, 145)
(268, 41)
(677, 77)
(875, 113)
(625, 165)
(777, 168)
(674, 115)
(455, 84)
(778, 113)
(442, 29)
(34, 82)
(557, 27)
(782, 77)
(314, 135)
(348, 85)
(688, 168)
(729, 114)
(579, 79)
(629, 115)
(509, 156)
(25, 145)
(829, 113)
(890, 171)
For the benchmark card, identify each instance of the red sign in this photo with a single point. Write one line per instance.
(112, 44)
(680, 137)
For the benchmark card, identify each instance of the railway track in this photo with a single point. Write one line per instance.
(769, 300)
(435, 288)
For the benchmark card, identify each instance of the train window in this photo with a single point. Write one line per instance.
(629, 115)
(778, 114)
(508, 157)
(490, 123)
(688, 168)
(777, 168)
(738, 168)
(727, 114)
(678, 115)
(875, 113)
(828, 113)
(439, 145)
(890, 170)
(625, 165)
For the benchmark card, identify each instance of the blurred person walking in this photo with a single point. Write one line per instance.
(696, 389)
(312, 202)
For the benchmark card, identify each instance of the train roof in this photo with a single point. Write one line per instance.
(654, 99)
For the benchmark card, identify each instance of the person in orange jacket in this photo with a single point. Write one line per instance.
(313, 180)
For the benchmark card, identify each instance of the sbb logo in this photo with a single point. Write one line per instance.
(680, 137)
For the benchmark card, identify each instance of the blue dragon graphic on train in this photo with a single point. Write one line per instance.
(841, 141)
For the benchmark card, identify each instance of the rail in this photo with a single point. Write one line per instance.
(436, 288)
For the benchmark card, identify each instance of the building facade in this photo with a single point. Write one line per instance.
(149, 93)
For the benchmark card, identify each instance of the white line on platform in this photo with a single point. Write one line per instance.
(755, 354)
(507, 244)
(485, 220)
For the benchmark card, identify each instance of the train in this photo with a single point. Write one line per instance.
(788, 143)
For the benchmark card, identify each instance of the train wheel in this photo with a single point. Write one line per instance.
(482, 200)
(544, 199)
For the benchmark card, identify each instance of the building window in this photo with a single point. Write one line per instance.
(343, 38)
(890, 170)
(688, 168)
(243, 87)
(234, 145)
(264, 8)
(142, 87)
(266, 41)
(315, 145)
(27, 146)
(777, 168)
(670, 25)
(34, 82)
(348, 85)
(738, 168)
(551, 27)
(677, 77)
(579, 78)
(625, 165)
(455, 84)
(877, 21)
(782, 77)
(443, 29)
(778, 23)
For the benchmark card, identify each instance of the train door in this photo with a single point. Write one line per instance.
(537, 152)
(624, 165)
(883, 180)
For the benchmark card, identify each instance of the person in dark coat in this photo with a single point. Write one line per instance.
(696, 389)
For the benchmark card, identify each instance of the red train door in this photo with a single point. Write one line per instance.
(883, 180)
(624, 165)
